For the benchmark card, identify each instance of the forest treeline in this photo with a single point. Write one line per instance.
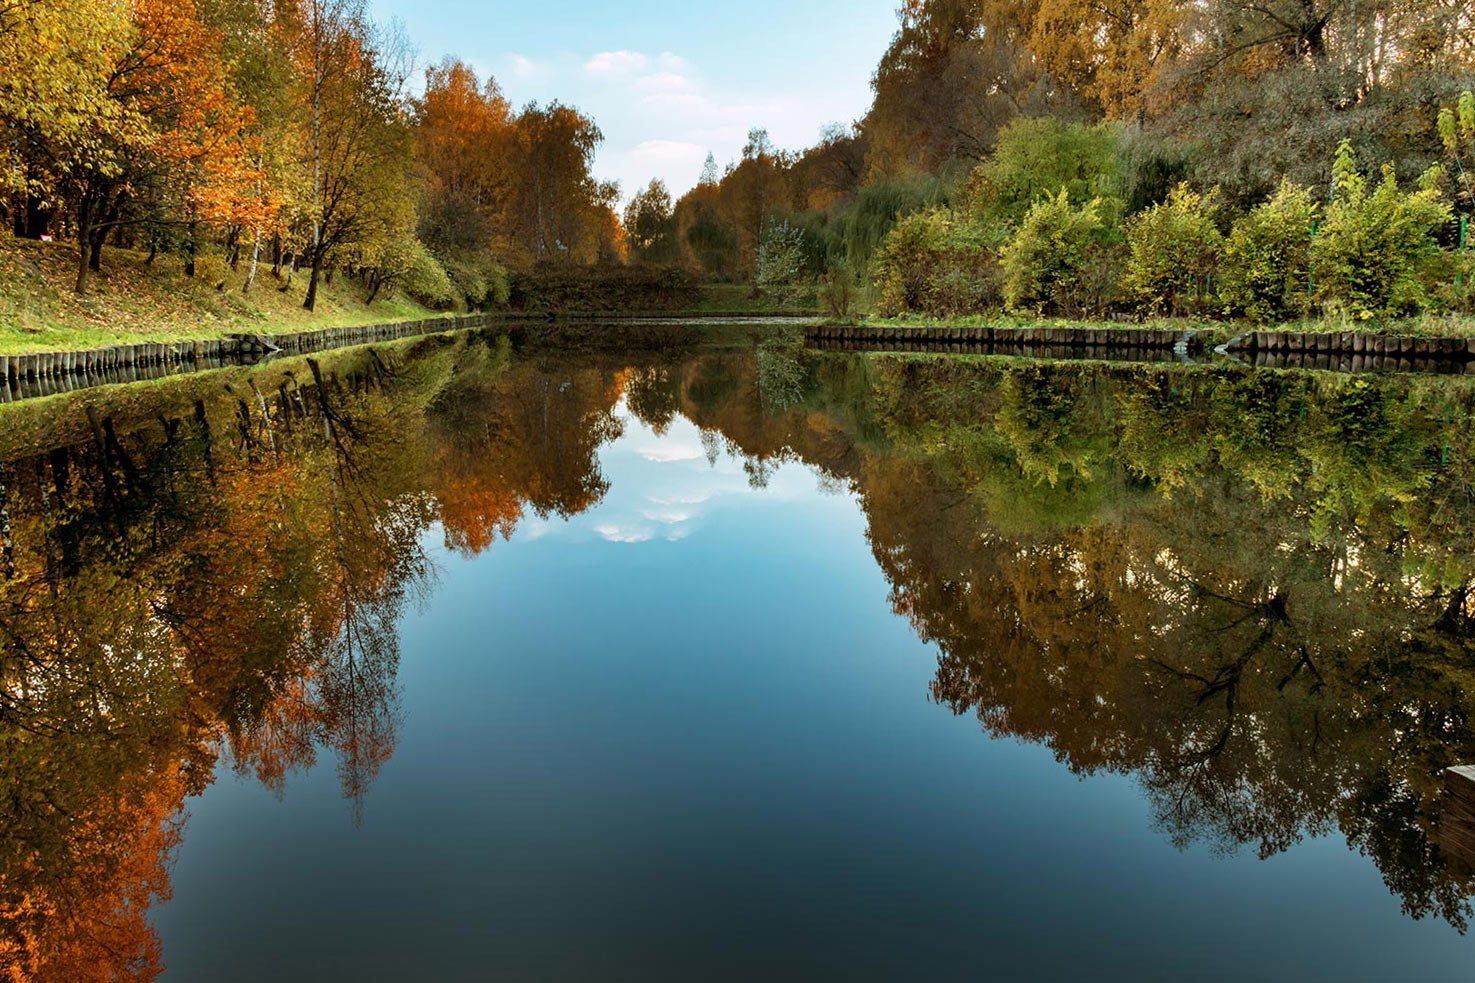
(1269, 159)
(285, 135)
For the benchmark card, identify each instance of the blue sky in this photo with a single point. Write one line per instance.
(668, 81)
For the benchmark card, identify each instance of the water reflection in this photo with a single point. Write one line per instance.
(1250, 590)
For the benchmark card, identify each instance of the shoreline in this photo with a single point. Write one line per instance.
(31, 375)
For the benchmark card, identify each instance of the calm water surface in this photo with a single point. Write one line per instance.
(486, 662)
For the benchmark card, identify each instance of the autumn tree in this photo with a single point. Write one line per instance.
(955, 73)
(164, 123)
(54, 97)
(650, 224)
(1115, 53)
(464, 147)
(559, 210)
(355, 139)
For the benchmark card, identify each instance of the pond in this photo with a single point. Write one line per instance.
(479, 657)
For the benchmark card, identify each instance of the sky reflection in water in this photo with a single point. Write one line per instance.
(692, 718)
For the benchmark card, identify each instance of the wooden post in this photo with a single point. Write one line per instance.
(1457, 821)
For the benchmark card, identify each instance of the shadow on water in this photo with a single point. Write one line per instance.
(1253, 591)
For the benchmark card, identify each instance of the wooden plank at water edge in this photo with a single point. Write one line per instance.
(1457, 822)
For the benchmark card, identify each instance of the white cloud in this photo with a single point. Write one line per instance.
(671, 453)
(664, 82)
(618, 534)
(524, 67)
(700, 499)
(660, 156)
(617, 63)
(667, 518)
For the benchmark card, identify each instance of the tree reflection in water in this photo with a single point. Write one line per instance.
(1250, 590)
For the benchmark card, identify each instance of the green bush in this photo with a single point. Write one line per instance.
(1053, 245)
(839, 293)
(1377, 244)
(1171, 251)
(1266, 272)
(555, 287)
(1454, 274)
(858, 228)
(783, 256)
(936, 263)
(480, 280)
(424, 278)
(1040, 156)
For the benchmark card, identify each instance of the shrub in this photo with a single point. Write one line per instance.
(1041, 156)
(605, 289)
(1454, 272)
(1267, 261)
(782, 255)
(480, 280)
(860, 226)
(1051, 247)
(937, 263)
(1171, 249)
(424, 278)
(1376, 244)
(838, 293)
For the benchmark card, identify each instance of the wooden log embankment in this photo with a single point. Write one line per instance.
(1354, 351)
(1457, 817)
(1042, 341)
(47, 373)
(1337, 352)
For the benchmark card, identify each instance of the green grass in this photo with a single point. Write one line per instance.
(131, 301)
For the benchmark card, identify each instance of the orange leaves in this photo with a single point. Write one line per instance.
(1114, 52)
(202, 132)
(91, 925)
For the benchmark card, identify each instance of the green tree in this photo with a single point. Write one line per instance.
(1372, 250)
(650, 223)
(1042, 156)
(1266, 272)
(1172, 249)
(1049, 249)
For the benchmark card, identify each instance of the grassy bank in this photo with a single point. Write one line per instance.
(132, 301)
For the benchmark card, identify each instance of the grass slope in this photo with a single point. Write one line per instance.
(130, 301)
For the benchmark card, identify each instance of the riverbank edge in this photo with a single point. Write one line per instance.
(31, 374)
(1344, 344)
(215, 351)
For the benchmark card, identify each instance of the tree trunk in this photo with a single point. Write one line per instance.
(7, 547)
(251, 270)
(189, 251)
(84, 244)
(311, 302)
(94, 250)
